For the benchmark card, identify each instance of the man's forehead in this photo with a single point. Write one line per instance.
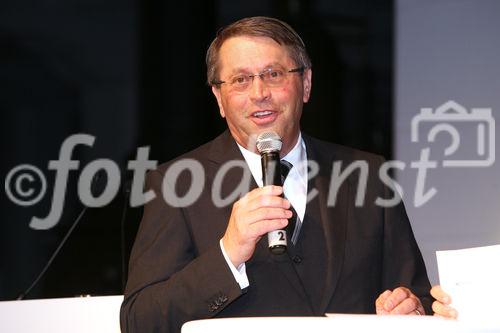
(251, 52)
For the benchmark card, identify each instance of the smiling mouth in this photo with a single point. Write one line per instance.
(262, 114)
(264, 117)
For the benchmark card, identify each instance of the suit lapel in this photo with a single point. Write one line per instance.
(333, 219)
(223, 149)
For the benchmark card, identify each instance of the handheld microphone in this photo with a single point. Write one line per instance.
(269, 146)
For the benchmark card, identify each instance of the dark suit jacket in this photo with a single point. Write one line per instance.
(178, 273)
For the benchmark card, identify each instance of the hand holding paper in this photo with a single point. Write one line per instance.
(441, 306)
(471, 278)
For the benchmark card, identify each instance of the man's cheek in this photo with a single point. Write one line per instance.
(283, 91)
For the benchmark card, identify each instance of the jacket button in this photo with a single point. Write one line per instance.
(212, 307)
(297, 259)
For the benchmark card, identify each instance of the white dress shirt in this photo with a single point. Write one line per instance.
(295, 188)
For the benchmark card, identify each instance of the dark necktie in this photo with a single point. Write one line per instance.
(294, 223)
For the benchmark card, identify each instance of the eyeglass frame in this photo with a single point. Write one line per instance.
(261, 74)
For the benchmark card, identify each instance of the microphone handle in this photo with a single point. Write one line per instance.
(271, 175)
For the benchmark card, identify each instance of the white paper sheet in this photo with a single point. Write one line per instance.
(472, 278)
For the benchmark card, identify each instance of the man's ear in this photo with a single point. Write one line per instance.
(216, 92)
(307, 84)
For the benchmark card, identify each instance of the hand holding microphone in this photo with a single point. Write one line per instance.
(259, 212)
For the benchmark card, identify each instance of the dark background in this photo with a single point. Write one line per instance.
(132, 73)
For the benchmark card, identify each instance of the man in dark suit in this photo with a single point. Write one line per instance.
(206, 259)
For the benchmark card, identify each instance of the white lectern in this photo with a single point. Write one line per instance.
(333, 323)
(62, 315)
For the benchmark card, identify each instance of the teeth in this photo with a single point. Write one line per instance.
(262, 113)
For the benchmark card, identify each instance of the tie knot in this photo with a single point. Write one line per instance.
(285, 169)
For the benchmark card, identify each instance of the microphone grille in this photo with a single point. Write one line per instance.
(268, 142)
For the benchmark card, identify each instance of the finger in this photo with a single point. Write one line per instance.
(443, 310)
(397, 296)
(268, 201)
(268, 213)
(259, 229)
(408, 306)
(266, 190)
(379, 303)
(438, 293)
(263, 198)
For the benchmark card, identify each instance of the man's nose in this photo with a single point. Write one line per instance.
(258, 89)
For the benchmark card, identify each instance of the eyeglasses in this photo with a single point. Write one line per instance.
(271, 77)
